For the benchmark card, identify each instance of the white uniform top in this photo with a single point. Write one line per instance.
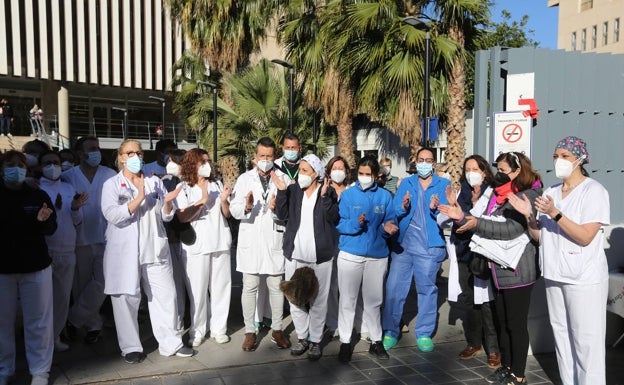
(563, 260)
(64, 238)
(211, 228)
(91, 230)
(305, 245)
(260, 234)
(153, 168)
(133, 239)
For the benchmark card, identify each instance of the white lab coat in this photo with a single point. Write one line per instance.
(126, 247)
(260, 235)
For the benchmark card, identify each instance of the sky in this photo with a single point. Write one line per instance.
(542, 19)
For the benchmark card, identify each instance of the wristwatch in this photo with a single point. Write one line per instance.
(557, 217)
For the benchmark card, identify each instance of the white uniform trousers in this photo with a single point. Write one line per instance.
(159, 289)
(263, 305)
(179, 278)
(310, 323)
(208, 273)
(578, 316)
(63, 267)
(248, 300)
(34, 291)
(368, 274)
(88, 290)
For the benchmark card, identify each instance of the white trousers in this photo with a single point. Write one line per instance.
(310, 323)
(263, 306)
(248, 300)
(88, 290)
(208, 273)
(578, 316)
(179, 278)
(34, 291)
(159, 289)
(63, 267)
(366, 274)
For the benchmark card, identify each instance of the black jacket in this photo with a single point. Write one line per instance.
(24, 248)
(288, 208)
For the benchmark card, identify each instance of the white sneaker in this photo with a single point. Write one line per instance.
(10, 136)
(197, 341)
(60, 346)
(40, 379)
(222, 338)
(0, 378)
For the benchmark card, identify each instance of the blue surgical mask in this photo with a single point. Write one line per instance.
(94, 158)
(424, 169)
(291, 155)
(134, 164)
(14, 175)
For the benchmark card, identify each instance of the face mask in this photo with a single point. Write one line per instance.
(204, 170)
(52, 171)
(291, 155)
(14, 175)
(386, 170)
(474, 178)
(500, 179)
(365, 181)
(173, 169)
(166, 158)
(265, 165)
(304, 181)
(66, 165)
(134, 164)
(424, 169)
(31, 160)
(94, 158)
(338, 176)
(564, 168)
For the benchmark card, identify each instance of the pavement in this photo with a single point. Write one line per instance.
(101, 363)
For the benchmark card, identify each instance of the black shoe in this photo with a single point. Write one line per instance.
(315, 351)
(70, 331)
(135, 357)
(345, 353)
(498, 375)
(300, 347)
(377, 349)
(510, 379)
(92, 336)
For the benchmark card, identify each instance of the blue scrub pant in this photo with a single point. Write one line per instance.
(424, 270)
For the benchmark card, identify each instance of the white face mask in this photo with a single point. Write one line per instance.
(365, 181)
(66, 165)
(265, 165)
(338, 176)
(52, 171)
(564, 168)
(173, 169)
(386, 170)
(304, 181)
(205, 170)
(474, 178)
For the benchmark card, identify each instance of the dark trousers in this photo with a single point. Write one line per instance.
(478, 322)
(512, 308)
(5, 125)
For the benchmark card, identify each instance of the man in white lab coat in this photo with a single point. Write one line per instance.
(259, 253)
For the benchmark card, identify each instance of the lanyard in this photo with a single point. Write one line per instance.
(291, 176)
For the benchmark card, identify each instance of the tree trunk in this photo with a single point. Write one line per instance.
(456, 113)
(345, 139)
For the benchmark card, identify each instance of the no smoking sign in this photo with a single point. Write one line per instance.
(512, 132)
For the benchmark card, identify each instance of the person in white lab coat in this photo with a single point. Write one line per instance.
(260, 237)
(203, 202)
(570, 229)
(137, 256)
(88, 287)
(61, 244)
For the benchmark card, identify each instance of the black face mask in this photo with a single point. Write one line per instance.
(500, 179)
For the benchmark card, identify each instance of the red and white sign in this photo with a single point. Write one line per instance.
(512, 132)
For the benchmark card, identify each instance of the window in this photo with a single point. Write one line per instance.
(573, 41)
(616, 30)
(605, 32)
(594, 32)
(583, 39)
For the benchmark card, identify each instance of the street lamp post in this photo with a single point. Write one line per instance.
(124, 127)
(423, 26)
(291, 70)
(163, 103)
(214, 117)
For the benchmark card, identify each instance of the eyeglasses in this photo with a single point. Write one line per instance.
(428, 160)
(133, 153)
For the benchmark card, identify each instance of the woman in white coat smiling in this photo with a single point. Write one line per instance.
(137, 255)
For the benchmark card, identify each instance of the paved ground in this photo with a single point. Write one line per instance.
(228, 364)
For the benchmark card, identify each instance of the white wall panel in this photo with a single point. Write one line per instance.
(31, 55)
(127, 44)
(69, 42)
(149, 47)
(43, 40)
(93, 63)
(4, 54)
(116, 43)
(138, 46)
(104, 54)
(158, 44)
(81, 34)
(17, 41)
(56, 43)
